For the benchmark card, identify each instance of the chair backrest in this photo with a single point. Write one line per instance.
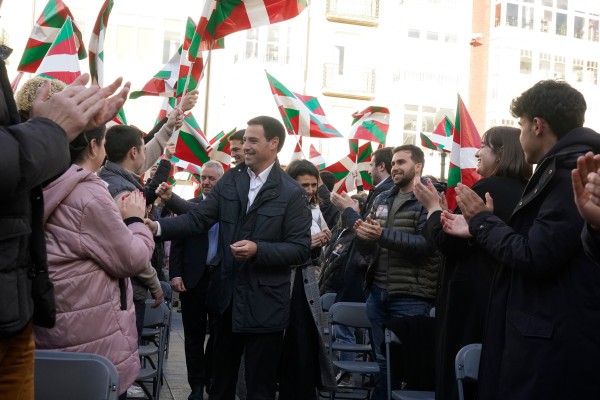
(158, 316)
(466, 365)
(327, 301)
(349, 314)
(64, 375)
(167, 293)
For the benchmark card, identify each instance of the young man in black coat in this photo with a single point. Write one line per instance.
(264, 231)
(545, 300)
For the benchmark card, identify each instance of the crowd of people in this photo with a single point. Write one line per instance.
(85, 243)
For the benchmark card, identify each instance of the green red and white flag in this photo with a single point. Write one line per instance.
(352, 170)
(297, 154)
(61, 61)
(220, 148)
(441, 138)
(190, 72)
(164, 82)
(463, 163)
(371, 124)
(96, 46)
(44, 33)
(302, 115)
(167, 106)
(316, 158)
(191, 144)
(224, 17)
(186, 166)
(15, 82)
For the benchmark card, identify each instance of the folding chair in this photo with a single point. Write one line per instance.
(168, 299)
(390, 337)
(327, 301)
(60, 375)
(466, 366)
(353, 315)
(152, 370)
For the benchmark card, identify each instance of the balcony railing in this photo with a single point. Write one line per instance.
(349, 82)
(356, 12)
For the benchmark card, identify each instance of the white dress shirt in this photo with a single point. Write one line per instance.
(257, 182)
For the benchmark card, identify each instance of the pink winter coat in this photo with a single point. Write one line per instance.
(89, 248)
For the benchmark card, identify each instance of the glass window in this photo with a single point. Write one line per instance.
(548, 3)
(450, 38)
(525, 62)
(170, 45)
(592, 72)
(410, 122)
(527, 17)
(427, 124)
(578, 70)
(273, 43)
(578, 27)
(562, 4)
(561, 24)
(339, 50)
(145, 45)
(546, 21)
(512, 14)
(545, 60)
(498, 16)
(432, 35)
(414, 33)
(411, 107)
(252, 43)
(409, 138)
(593, 30)
(559, 67)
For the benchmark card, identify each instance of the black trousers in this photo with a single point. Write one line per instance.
(193, 315)
(262, 354)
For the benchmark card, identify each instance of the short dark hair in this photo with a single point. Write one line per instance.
(558, 103)
(328, 179)
(383, 155)
(505, 144)
(416, 154)
(120, 139)
(237, 135)
(272, 127)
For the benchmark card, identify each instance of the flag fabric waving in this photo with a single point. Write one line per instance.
(441, 138)
(44, 33)
(297, 154)
(372, 124)
(463, 164)
(220, 148)
(61, 61)
(163, 83)
(316, 158)
(302, 115)
(96, 46)
(362, 155)
(352, 170)
(191, 144)
(188, 79)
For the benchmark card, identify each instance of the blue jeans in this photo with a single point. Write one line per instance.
(381, 308)
(345, 334)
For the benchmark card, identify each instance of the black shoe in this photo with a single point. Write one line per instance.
(197, 394)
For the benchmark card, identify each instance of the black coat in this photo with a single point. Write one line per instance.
(349, 216)
(30, 154)
(187, 257)
(542, 335)
(464, 283)
(278, 221)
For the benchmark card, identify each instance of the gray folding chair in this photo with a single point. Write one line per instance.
(168, 299)
(327, 301)
(390, 338)
(353, 315)
(61, 375)
(153, 358)
(466, 366)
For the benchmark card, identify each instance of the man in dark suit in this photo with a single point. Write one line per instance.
(264, 231)
(381, 165)
(189, 267)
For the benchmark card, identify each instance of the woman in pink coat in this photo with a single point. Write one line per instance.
(94, 246)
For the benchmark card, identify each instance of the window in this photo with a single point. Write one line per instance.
(592, 72)
(414, 33)
(450, 38)
(273, 43)
(527, 17)
(525, 62)
(578, 28)
(512, 14)
(340, 59)
(559, 67)
(145, 45)
(562, 4)
(561, 24)
(593, 30)
(548, 3)
(432, 35)
(252, 43)
(545, 60)
(171, 39)
(427, 123)
(546, 21)
(498, 16)
(578, 70)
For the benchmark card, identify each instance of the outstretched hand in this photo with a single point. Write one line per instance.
(586, 188)
(470, 203)
(427, 196)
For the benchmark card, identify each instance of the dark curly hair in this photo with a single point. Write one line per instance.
(556, 102)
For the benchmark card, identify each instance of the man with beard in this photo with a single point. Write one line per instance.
(403, 276)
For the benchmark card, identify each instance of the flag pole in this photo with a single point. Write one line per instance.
(207, 68)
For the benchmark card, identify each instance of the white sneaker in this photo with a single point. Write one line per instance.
(135, 392)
